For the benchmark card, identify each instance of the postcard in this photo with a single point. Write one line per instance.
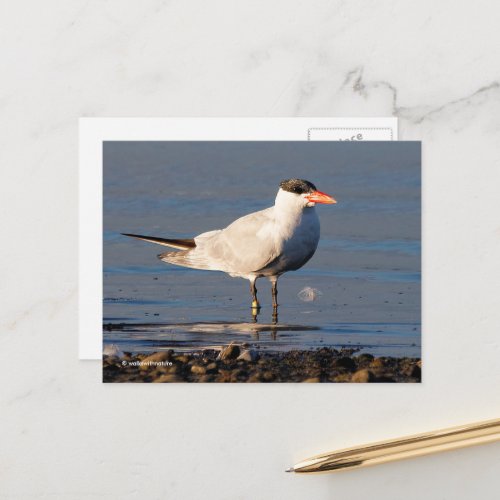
(93, 133)
(261, 261)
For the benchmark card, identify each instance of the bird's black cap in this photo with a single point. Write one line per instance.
(297, 186)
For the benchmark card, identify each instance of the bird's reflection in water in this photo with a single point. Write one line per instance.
(275, 315)
(273, 327)
(205, 335)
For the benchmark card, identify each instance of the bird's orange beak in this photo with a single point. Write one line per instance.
(319, 197)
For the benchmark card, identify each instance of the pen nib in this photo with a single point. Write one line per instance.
(291, 469)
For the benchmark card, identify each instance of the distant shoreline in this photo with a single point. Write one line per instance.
(236, 363)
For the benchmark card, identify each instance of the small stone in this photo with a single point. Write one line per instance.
(365, 358)
(268, 376)
(198, 370)
(182, 359)
(345, 363)
(363, 376)
(111, 369)
(232, 351)
(238, 375)
(248, 355)
(112, 350)
(151, 362)
(112, 360)
(377, 363)
(160, 356)
(212, 368)
(416, 372)
(311, 380)
(224, 376)
(209, 353)
(168, 378)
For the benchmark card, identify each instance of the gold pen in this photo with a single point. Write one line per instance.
(405, 447)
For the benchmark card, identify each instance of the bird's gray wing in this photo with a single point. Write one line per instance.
(245, 246)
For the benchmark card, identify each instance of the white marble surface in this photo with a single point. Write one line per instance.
(432, 64)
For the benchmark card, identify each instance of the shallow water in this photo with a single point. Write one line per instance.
(367, 266)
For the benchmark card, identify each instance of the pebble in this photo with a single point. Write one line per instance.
(363, 376)
(209, 353)
(416, 372)
(346, 363)
(248, 355)
(238, 374)
(198, 370)
(232, 351)
(112, 350)
(224, 376)
(168, 378)
(311, 380)
(149, 362)
(112, 360)
(158, 357)
(377, 363)
(365, 358)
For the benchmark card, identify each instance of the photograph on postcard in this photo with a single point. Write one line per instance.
(261, 261)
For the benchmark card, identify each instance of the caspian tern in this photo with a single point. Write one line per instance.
(266, 243)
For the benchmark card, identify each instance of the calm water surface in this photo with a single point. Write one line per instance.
(367, 266)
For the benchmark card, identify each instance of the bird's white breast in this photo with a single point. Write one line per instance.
(296, 239)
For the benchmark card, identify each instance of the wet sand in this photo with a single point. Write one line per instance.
(379, 339)
(239, 363)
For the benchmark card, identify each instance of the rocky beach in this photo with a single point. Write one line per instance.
(238, 363)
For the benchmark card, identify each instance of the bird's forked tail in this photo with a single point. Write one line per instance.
(180, 244)
(186, 257)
